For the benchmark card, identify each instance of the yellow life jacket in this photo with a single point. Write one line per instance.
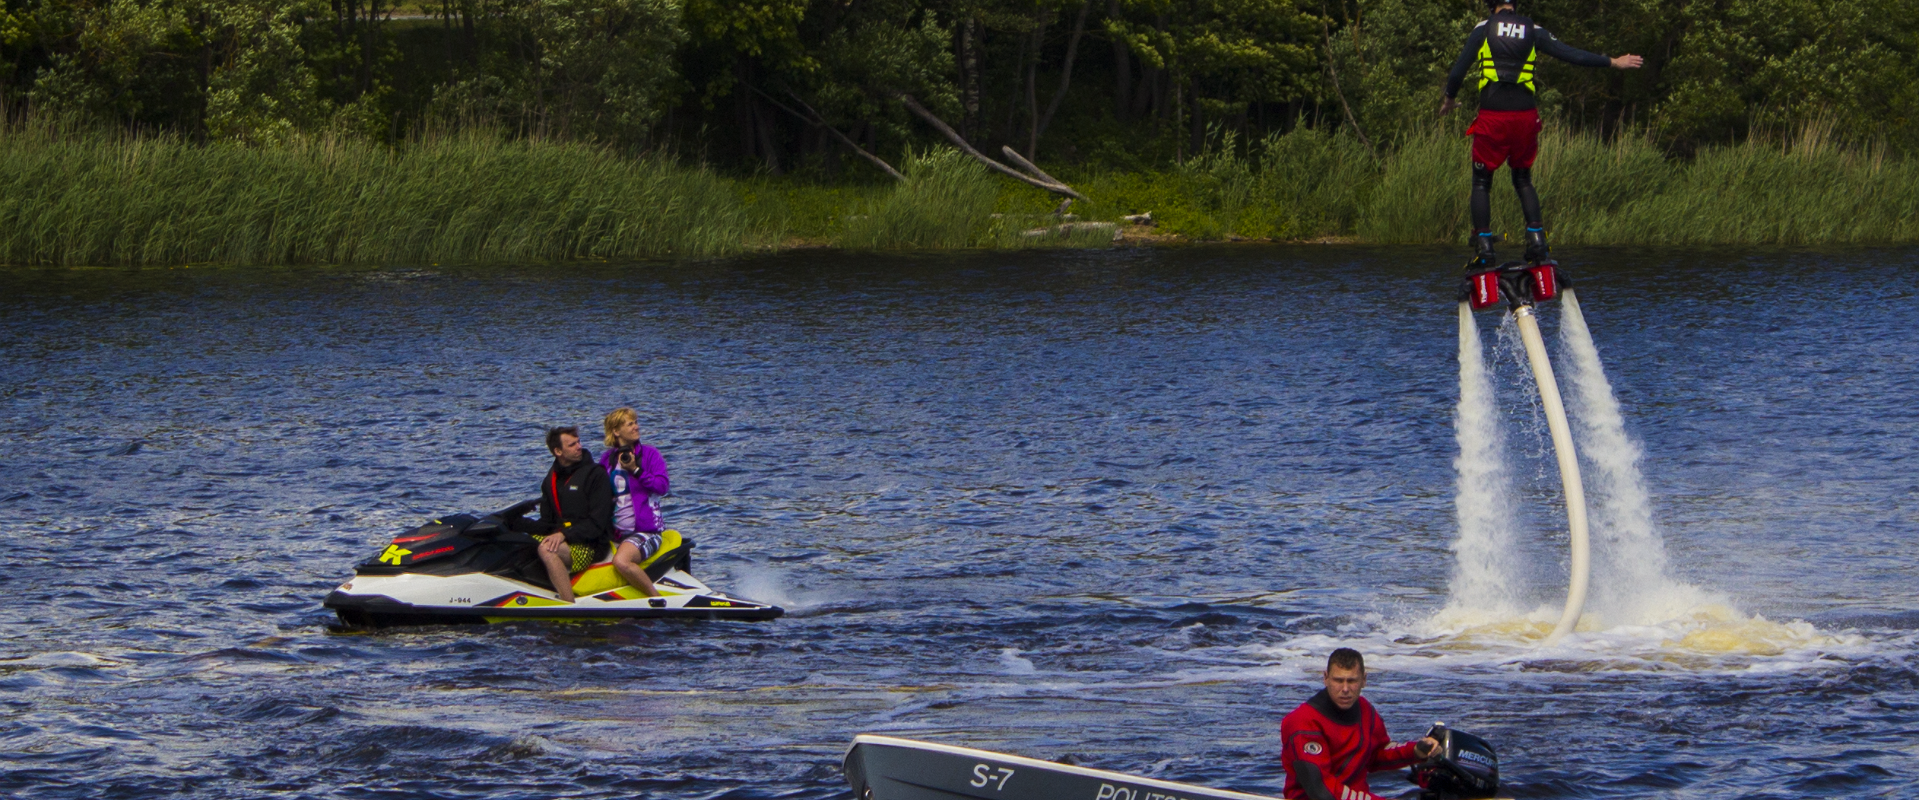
(1506, 67)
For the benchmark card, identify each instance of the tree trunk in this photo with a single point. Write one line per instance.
(473, 38)
(1013, 101)
(1066, 77)
(743, 123)
(1122, 69)
(763, 127)
(1146, 92)
(1197, 139)
(1178, 107)
(970, 76)
(1033, 104)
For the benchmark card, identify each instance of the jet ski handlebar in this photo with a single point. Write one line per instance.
(517, 510)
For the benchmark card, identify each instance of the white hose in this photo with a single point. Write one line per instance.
(1569, 470)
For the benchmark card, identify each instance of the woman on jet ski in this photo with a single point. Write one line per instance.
(639, 477)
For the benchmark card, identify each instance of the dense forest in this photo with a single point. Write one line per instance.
(170, 132)
(803, 86)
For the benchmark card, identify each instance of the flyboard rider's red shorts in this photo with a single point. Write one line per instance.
(1502, 136)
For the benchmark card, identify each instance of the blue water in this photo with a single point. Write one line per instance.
(1112, 504)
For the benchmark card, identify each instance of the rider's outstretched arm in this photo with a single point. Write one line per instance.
(1547, 43)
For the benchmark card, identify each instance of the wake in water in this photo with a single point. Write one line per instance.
(1638, 605)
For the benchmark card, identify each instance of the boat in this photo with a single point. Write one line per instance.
(889, 768)
(464, 568)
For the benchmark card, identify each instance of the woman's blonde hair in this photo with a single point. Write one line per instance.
(617, 419)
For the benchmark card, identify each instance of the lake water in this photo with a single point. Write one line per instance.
(1116, 505)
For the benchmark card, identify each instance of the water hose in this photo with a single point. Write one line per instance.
(1569, 470)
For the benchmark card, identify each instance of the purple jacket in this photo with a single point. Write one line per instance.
(636, 498)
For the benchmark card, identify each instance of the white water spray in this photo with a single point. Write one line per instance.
(1485, 572)
(1635, 587)
(1640, 610)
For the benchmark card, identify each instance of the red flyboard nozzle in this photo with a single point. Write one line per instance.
(1483, 290)
(1546, 282)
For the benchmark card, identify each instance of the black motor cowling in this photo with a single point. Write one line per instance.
(1464, 767)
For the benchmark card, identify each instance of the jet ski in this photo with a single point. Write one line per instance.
(472, 569)
(887, 768)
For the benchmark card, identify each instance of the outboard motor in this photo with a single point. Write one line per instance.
(1464, 767)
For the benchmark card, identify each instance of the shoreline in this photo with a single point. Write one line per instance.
(97, 200)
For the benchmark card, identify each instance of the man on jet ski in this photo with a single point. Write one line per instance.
(576, 502)
(1330, 743)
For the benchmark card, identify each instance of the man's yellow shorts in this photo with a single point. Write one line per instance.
(582, 553)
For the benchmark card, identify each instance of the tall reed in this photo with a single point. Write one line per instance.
(97, 198)
(946, 202)
(950, 201)
(1810, 190)
(70, 197)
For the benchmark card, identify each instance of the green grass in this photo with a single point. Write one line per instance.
(949, 201)
(78, 198)
(103, 199)
(1810, 190)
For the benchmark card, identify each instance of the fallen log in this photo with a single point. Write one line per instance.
(1065, 230)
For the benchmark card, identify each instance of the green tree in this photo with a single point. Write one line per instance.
(1772, 64)
(1229, 52)
(587, 69)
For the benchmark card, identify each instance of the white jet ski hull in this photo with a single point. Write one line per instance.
(410, 599)
(466, 569)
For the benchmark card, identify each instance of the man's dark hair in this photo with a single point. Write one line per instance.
(554, 434)
(1346, 658)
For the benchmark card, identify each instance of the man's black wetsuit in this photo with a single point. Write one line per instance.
(576, 501)
(1504, 48)
(1506, 45)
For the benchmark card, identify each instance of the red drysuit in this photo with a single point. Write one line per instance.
(1328, 752)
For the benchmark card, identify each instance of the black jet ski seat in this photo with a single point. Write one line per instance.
(462, 544)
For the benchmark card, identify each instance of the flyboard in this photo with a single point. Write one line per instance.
(1522, 285)
(887, 768)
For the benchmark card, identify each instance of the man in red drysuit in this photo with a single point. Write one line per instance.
(1330, 743)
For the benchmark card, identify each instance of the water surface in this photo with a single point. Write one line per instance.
(1112, 504)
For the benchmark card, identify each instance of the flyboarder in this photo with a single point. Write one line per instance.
(1503, 48)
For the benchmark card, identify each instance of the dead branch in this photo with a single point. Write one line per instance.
(813, 118)
(1066, 74)
(1326, 38)
(945, 130)
(1021, 162)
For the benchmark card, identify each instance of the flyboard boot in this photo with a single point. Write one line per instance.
(1483, 256)
(1536, 252)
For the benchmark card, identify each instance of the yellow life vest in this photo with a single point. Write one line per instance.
(1490, 72)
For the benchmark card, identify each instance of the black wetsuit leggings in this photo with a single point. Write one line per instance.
(1522, 184)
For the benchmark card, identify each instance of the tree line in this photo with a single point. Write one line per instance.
(828, 85)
